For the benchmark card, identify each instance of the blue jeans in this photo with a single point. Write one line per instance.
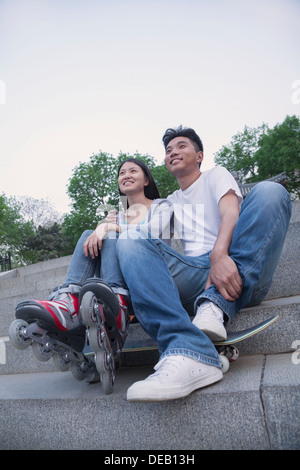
(165, 286)
(105, 266)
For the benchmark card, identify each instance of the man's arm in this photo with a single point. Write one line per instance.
(223, 271)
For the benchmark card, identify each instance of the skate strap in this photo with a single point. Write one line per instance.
(71, 289)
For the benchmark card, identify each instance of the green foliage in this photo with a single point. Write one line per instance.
(280, 151)
(27, 243)
(240, 154)
(166, 183)
(47, 243)
(258, 154)
(14, 231)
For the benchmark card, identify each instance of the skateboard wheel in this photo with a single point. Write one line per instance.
(225, 363)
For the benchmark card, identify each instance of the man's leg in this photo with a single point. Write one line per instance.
(156, 302)
(256, 245)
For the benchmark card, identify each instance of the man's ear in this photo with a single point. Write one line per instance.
(200, 157)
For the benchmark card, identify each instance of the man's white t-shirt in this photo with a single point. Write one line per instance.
(196, 210)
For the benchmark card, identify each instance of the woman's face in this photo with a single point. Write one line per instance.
(131, 178)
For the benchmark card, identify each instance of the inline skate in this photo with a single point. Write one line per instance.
(106, 317)
(53, 329)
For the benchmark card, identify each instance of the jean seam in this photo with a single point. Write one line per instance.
(87, 270)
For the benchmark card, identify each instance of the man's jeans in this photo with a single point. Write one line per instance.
(165, 285)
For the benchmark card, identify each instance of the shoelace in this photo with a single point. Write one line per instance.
(167, 365)
(213, 308)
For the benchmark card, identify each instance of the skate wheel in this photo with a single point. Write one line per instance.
(61, 361)
(93, 335)
(225, 363)
(87, 307)
(100, 359)
(41, 352)
(18, 340)
(107, 382)
(93, 375)
(79, 370)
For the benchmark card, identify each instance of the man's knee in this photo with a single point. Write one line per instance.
(131, 244)
(269, 196)
(270, 191)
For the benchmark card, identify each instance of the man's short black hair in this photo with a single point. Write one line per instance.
(180, 131)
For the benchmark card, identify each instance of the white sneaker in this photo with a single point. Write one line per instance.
(210, 319)
(175, 377)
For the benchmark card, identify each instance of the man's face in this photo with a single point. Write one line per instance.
(181, 157)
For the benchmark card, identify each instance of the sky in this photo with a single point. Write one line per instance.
(77, 77)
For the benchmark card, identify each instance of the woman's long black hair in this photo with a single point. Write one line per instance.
(150, 191)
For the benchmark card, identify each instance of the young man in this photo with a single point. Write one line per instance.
(230, 255)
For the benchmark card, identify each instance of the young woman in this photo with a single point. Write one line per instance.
(140, 197)
(95, 257)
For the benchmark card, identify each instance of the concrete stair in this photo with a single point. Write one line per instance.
(255, 406)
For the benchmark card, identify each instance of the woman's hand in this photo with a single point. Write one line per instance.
(112, 217)
(93, 243)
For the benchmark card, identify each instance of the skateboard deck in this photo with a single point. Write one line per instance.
(227, 350)
(232, 337)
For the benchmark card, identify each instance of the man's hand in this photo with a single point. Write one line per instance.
(225, 276)
(223, 270)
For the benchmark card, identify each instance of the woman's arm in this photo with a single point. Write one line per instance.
(93, 243)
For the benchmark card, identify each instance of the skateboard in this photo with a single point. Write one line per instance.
(227, 350)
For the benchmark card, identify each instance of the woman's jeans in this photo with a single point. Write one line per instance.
(166, 286)
(105, 266)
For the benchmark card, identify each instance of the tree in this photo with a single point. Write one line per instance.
(280, 151)
(47, 243)
(39, 212)
(166, 183)
(14, 231)
(240, 154)
(258, 154)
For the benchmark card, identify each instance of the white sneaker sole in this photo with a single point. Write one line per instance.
(214, 332)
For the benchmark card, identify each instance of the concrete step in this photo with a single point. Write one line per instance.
(255, 406)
